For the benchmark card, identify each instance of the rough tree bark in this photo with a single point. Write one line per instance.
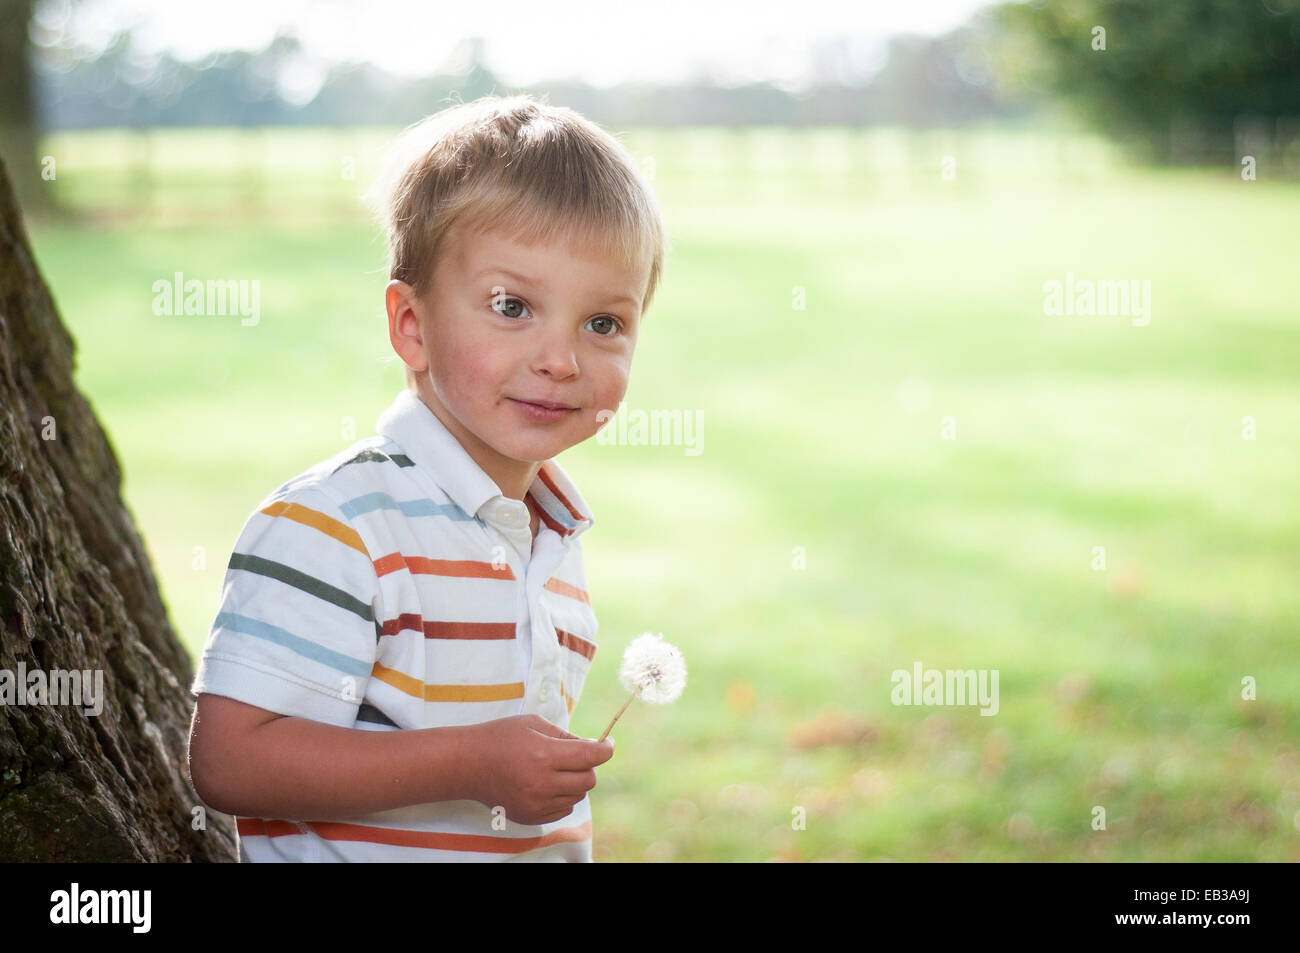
(77, 592)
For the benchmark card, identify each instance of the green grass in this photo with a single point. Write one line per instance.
(1119, 688)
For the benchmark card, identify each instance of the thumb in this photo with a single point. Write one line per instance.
(601, 751)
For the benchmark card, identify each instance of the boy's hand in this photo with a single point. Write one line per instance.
(533, 769)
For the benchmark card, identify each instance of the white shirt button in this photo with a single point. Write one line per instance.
(544, 692)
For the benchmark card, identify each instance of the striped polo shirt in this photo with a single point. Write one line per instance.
(395, 587)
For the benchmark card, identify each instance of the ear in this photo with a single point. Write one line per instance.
(406, 324)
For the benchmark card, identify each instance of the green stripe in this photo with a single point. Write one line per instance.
(368, 712)
(377, 456)
(300, 580)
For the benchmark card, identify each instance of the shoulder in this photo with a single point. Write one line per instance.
(365, 466)
(337, 497)
(359, 482)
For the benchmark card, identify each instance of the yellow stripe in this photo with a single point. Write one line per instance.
(568, 702)
(446, 693)
(318, 521)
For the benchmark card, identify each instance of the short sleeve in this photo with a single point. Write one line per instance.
(295, 630)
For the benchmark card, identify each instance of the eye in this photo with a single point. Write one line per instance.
(614, 323)
(499, 302)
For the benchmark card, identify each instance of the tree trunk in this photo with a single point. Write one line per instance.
(77, 593)
(19, 127)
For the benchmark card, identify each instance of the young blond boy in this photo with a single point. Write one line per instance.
(404, 628)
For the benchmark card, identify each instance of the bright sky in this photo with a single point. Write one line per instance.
(600, 41)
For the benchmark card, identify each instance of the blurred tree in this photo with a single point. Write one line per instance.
(941, 80)
(77, 594)
(19, 128)
(1174, 77)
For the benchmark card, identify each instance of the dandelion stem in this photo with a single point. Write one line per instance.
(618, 716)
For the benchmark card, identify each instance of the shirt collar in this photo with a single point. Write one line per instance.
(431, 446)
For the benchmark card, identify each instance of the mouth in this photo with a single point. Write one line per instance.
(545, 404)
(541, 413)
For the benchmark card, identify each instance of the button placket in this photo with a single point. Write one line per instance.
(545, 661)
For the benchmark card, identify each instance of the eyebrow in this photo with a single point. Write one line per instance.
(513, 275)
(541, 285)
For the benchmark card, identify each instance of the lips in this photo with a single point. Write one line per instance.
(548, 404)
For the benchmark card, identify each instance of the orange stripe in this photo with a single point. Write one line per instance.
(257, 827)
(550, 485)
(407, 620)
(435, 840)
(459, 568)
(446, 693)
(563, 588)
(577, 643)
(534, 507)
(447, 630)
(568, 702)
(318, 521)
(469, 630)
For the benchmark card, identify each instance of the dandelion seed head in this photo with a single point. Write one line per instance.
(653, 669)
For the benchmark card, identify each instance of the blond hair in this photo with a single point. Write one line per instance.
(537, 172)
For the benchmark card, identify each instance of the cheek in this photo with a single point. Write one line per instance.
(473, 372)
(615, 373)
(612, 387)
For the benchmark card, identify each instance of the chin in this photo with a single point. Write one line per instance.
(535, 450)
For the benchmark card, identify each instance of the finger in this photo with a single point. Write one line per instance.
(575, 784)
(533, 820)
(549, 809)
(579, 754)
(542, 726)
(562, 810)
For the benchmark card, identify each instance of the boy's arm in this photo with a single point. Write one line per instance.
(255, 763)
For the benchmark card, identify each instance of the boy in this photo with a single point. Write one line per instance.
(404, 628)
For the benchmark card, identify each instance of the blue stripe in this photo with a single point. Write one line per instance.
(554, 508)
(370, 502)
(304, 647)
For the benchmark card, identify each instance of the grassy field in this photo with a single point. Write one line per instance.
(829, 534)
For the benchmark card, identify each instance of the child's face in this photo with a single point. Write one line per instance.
(504, 323)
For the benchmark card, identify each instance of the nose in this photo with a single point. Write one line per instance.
(556, 355)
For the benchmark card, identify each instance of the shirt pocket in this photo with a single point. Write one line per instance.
(575, 627)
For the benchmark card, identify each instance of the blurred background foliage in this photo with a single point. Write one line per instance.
(1189, 82)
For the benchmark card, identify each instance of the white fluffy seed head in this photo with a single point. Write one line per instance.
(652, 668)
